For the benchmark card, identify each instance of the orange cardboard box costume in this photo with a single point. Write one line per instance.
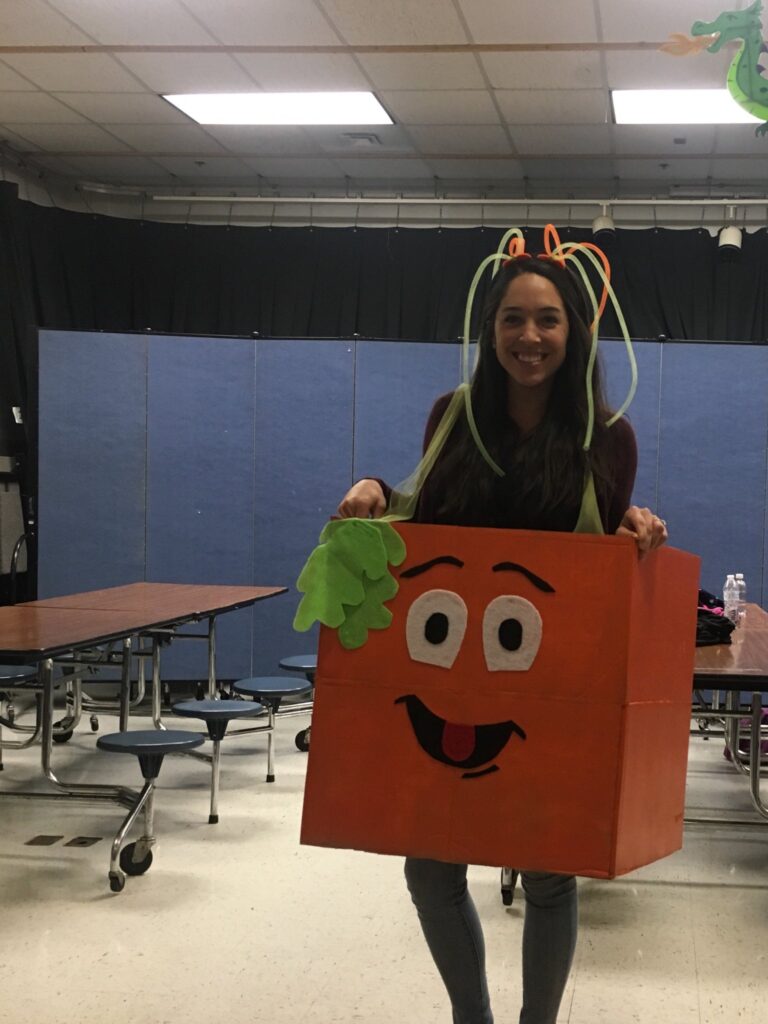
(528, 705)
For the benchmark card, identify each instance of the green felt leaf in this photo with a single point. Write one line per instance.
(371, 614)
(346, 579)
(359, 544)
(328, 584)
(394, 544)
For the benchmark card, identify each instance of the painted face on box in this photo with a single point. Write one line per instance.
(495, 718)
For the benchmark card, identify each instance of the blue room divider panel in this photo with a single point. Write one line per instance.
(304, 427)
(91, 465)
(643, 414)
(396, 384)
(714, 423)
(200, 471)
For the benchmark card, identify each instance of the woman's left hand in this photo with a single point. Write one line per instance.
(647, 529)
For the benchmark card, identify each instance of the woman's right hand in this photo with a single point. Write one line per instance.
(365, 499)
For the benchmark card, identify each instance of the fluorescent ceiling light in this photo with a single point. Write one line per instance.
(282, 108)
(678, 106)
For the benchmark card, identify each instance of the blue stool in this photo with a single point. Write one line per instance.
(270, 691)
(217, 714)
(307, 664)
(150, 746)
(17, 678)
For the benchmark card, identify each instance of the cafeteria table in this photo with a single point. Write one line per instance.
(49, 630)
(733, 669)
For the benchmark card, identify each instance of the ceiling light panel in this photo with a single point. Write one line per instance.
(299, 108)
(678, 106)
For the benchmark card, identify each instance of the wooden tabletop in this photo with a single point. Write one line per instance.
(42, 629)
(167, 599)
(742, 664)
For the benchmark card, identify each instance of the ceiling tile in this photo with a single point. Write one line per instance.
(659, 140)
(17, 141)
(553, 106)
(206, 170)
(726, 170)
(570, 173)
(64, 72)
(654, 20)
(10, 81)
(188, 72)
(392, 138)
(423, 71)
(739, 139)
(34, 108)
(124, 108)
(55, 164)
(274, 141)
(467, 138)
(328, 72)
(34, 23)
(267, 22)
(531, 21)
(441, 107)
(307, 170)
(383, 169)
(477, 170)
(139, 21)
(663, 172)
(382, 22)
(119, 170)
(651, 69)
(549, 70)
(560, 140)
(167, 138)
(71, 138)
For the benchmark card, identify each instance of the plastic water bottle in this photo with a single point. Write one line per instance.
(742, 592)
(731, 598)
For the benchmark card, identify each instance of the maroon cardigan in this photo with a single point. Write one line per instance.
(611, 510)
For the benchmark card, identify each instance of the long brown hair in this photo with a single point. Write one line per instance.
(546, 468)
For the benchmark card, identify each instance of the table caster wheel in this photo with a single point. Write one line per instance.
(94, 723)
(131, 866)
(302, 740)
(63, 737)
(116, 882)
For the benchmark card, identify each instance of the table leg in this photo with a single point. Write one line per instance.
(212, 657)
(754, 754)
(75, 789)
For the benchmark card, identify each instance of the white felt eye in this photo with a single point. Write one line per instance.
(511, 634)
(435, 627)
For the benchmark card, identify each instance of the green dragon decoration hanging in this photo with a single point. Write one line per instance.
(747, 81)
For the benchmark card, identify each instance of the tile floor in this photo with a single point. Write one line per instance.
(238, 923)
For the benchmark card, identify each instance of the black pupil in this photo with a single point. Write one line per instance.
(436, 628)
(510, 634)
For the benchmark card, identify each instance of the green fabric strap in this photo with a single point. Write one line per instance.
(589, 520)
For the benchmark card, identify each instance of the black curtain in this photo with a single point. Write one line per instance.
(76, 271)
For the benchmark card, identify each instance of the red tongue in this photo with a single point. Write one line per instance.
(458, 741)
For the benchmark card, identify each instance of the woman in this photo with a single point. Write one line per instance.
(530, 403)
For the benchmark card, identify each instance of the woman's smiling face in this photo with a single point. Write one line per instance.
(531, 332)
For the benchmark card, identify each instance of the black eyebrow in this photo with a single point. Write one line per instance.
(537, 581)
(416, 570)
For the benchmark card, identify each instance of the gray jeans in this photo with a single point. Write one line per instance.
(455, 939)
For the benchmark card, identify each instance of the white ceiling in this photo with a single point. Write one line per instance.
(80, 83)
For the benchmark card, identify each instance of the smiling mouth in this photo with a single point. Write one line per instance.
(461, 746)
(529, 360)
